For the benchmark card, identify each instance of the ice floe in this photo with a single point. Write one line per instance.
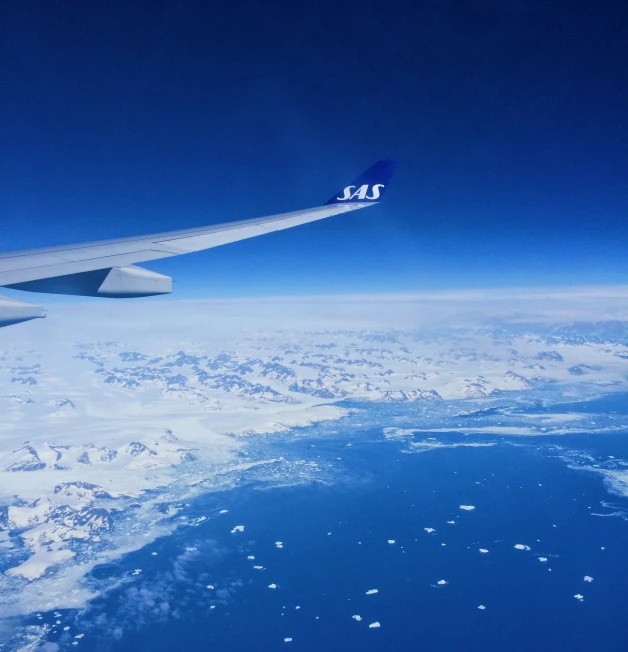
(374, 625)
(429, 530)
(484, 550)
(391, 541)
(251, 557)
(542, 558)
(521, 546)
(482, 607)
(279, 544)
(357, 617)
(588, 578)
(579, 596)
(288, 639)
(272, 586)
(237, 528)
(372, 591)
(467, 508)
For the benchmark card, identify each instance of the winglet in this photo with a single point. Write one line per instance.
(369, 187)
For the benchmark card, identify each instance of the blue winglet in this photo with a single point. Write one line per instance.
(369, 187)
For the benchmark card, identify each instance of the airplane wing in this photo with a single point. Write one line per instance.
(107, 268)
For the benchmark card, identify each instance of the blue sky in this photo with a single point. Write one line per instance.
(508, 118)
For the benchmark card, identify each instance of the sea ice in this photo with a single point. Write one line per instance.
(371, 591)
(357, 617)
(521, 546)
(429, 530)
(279, 544)
(391, 541)
(579, 596)
(542, 558)
(482, 607)
(272, 586)
(441, 582)
(251, 557)
(467, 508)
(483, 550)
(287, 640)
(237, 528)
(588, 578)
(374, 625)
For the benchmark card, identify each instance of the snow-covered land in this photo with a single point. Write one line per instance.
(101, 414)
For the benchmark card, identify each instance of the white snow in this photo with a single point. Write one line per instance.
(112, 435)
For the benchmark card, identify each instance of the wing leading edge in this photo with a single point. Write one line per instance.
(106, 268)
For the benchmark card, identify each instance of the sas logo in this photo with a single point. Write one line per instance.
(361, 192)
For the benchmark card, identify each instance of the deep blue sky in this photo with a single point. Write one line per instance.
(509, 119)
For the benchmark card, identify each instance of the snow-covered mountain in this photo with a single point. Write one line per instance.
(95, 429)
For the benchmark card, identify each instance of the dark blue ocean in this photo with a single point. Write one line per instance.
(335, 547)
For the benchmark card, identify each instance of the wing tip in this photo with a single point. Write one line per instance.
(369, 187)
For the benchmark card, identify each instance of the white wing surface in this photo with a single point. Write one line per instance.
(107, 268)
